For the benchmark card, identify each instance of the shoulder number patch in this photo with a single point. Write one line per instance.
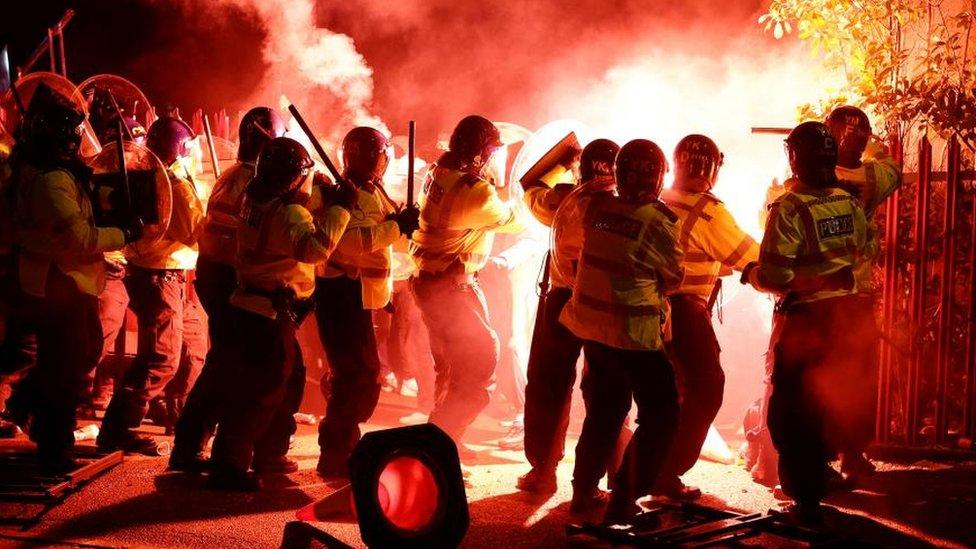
(839, 225)
(618, 225)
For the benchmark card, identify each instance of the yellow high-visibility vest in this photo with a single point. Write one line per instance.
(177, 249)
(567, 230)
(876, 179)
(218, 241)
(459, 214)
(365, 251)
(810, 233)
(54, 227)
(630, 259)
(278, 246)
(712, 241)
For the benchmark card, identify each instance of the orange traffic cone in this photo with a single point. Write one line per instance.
(335, 507)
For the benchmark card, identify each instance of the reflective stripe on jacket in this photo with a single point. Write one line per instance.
(713, 243)
(630, 259)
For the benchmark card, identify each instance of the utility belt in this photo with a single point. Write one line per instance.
(285, 303)
(840, 280)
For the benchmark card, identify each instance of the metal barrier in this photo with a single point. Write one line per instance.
(927, 393)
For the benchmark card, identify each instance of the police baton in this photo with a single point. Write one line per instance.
(411, 147)
(123, 170)
(210, 146)
(316, 145)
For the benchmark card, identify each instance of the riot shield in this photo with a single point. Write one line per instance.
(128, 96)
(10, 116)
(150, 193)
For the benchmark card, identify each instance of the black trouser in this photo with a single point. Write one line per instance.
(69, 341)
(860, 391)
(614, 375)
(551, 376)
(694, 353)
(264, 364)
(157, 298)
(215, 282)
(346, 329)
(812, 358)
(464, 345)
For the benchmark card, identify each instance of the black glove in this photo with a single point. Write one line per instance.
(407, 219)
(133, 230)
(342, 194)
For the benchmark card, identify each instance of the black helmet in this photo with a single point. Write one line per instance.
(364, 154)
(281, 166)
(812, 151)
(597, 158)
(475, 139)
(169, 138)
(258, 126)
(640, 167)
(52, 124)
(851, 129)
(696, 163)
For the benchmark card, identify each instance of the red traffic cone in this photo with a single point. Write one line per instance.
(335, 507)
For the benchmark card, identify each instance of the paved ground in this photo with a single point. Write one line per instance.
(139, 505)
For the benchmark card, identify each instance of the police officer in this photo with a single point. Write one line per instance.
(814, 237)
(555, 350)
(355, 281)
(113, 302)
(459, 213)
(629, 261)
(156, 280)
(864, 169)
(215, 281)
(61, 270)
(279, 242)
(713, 245)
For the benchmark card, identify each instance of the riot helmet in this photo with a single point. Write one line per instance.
(597, 159)
(696, 163)
(258, 126)
(282, 166)
(52, 125)
(474, 140)
(812, 152)
(364, 154)
(851, 129)
(640, 167)
(169, 138)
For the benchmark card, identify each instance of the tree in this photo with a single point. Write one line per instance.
(906, 61)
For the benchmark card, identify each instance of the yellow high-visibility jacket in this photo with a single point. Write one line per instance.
(278, 246)
(712, 241)
(177, 248)
(459, 214)
(875, 180)
(567, 230)
(629, 261)
(218, 241)
(810, 233)
(54, 227)
(365, 251)
(543, 198)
